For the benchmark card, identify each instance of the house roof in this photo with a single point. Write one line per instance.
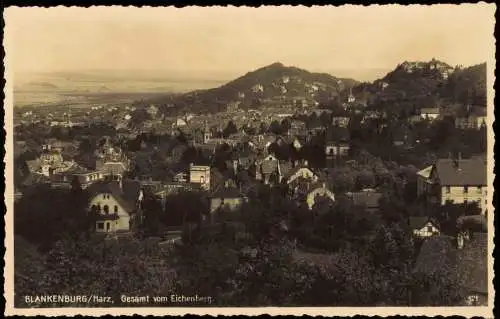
(268, 167)
(461, 172)
(429, 110)
(285, 167)
(426, 172)
(368, 199)
(417, 222)
(297, 168)
(126, 197)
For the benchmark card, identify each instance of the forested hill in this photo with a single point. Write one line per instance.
(413, 85)
(467, 86)
(274, 81)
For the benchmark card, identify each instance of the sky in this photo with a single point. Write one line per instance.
(348, 41)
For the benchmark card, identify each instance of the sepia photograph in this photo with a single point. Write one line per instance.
(221, 160)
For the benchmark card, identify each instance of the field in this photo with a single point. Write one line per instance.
(100, 87)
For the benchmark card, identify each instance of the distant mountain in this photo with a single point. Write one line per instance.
(37, 86)
(272, 82)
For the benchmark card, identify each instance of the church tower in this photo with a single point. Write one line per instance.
(207, 134)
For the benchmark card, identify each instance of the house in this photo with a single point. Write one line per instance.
(430, 114)
(111, 160)
(318, 192)
(459, 181)
(424, 183)
(267, 169)
(337, 143)
(423, 227)
(302, 172)
(467, 258)
(85, 177)
(226, 199)
(297, 143)
(367, 198)
(200, 174)
(340, 118)
(115, 205)
(402, 137)
(473, 117)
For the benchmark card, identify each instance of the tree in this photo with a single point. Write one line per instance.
(285, 125)
(231, 128)
(275, 127)
(152, 213)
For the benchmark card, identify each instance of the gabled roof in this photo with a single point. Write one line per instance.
(417, 222)
(426, 172)
(298, 168)
(461, 172)
(126, 198)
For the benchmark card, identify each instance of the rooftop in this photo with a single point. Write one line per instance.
(461, 172)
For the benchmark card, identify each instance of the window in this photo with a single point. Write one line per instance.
(106, 209)
(116, 209)
(479, 189)
(100, 226)
(429, 229)
(466, 189)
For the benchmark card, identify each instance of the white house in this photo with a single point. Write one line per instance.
(301, 172)
(429, 113)
(459, 181)
(200, 174)
(423, 227)
(114, 205)
(319, 192)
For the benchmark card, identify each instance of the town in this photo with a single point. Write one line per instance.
(282, 187)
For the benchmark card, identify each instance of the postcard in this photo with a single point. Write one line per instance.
(237, 160)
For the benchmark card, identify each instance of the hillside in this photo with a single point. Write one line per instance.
(413, 85)
(270, 83)
(466, 86)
